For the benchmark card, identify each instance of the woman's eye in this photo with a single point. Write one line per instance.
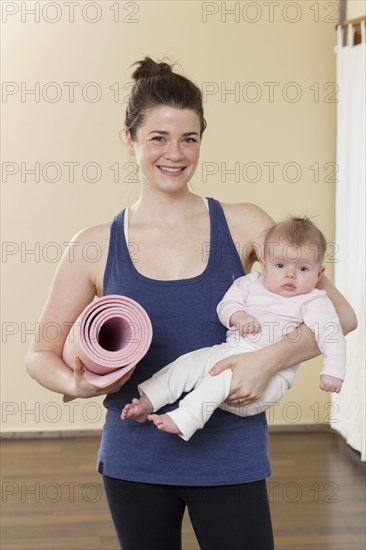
(190, 140)
(157, 138)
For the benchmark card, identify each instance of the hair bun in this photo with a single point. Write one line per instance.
(148, 68)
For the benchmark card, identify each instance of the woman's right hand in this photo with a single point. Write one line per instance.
(84, 389)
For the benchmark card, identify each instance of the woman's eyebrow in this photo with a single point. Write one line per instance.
(165, 133)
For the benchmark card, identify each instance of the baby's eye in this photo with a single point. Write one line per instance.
(303, 268)
(279, 265)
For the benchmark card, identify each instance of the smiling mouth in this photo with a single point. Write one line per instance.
(171, 170)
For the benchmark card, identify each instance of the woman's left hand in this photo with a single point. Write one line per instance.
(250, 376)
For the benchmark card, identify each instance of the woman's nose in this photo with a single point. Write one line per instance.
(174, 151)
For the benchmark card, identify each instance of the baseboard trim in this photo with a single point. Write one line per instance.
(58, 434)
(301, 428)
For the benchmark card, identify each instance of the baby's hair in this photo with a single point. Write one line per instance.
(155, 85)
(298, 232)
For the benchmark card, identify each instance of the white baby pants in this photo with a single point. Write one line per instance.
(189, 373)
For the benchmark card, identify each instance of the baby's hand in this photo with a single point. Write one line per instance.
(244, 323)
(330, 383)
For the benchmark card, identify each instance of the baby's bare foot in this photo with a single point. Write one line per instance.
(164, 423)
(138, 410)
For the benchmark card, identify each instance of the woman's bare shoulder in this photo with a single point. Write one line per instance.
(247, 218)
(87, 251)
(95, 233)
(247, 225)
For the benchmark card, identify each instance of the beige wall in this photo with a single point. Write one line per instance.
(284, 60)
(355, 8)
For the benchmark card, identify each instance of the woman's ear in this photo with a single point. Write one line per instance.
(129, 142)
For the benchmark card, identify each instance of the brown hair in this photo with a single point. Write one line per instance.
(156, 84)
(298, 232)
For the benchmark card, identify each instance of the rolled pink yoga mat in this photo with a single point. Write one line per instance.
(110, 336)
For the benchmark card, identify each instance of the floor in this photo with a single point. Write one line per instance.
(52, 497)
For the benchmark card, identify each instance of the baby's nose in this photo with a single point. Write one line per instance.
(290, 272)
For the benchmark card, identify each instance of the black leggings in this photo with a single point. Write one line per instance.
(149, 517)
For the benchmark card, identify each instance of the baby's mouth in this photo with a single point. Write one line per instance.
(289, 286)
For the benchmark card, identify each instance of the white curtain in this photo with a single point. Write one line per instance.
(348, 414)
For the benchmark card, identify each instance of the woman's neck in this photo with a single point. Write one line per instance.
(158, 206)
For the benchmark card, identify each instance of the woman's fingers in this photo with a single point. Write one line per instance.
(83, 387)
(235, 400)
(78, 366)
(116, 386)
(249, 377)
(221, 366)
(86, 389)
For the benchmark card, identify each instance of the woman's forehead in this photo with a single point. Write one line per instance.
(171, 116)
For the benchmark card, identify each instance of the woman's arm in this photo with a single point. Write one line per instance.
(252, 371)
(73, 287)
(344, 310)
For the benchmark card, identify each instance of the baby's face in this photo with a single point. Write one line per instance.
(290, 270)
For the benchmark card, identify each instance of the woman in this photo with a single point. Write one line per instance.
(180, 262)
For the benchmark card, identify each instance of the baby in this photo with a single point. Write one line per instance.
(258, 309)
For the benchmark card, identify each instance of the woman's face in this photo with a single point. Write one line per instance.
(167, 147)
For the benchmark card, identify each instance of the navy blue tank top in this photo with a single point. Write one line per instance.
(229, 449)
